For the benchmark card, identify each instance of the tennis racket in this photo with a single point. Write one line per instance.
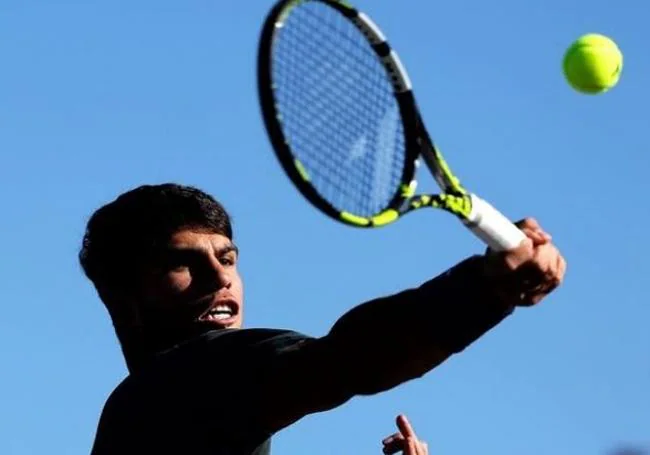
(343, 121)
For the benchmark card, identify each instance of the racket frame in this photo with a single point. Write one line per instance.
(273, 123)
(479, 216)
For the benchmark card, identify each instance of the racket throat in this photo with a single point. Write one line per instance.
(438, 167)
(457, 204)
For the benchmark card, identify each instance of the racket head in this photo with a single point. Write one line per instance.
(339, 110)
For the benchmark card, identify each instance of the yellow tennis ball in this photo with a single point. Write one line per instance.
(593, 64)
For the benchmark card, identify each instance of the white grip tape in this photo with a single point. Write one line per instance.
(488, 224)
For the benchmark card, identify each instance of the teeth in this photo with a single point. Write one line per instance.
(218, 316)
(219, 313)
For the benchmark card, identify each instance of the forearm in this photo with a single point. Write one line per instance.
(381, 344)
(390, 340)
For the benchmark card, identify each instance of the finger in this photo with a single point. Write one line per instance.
(528, 223)
(561, 267)
(538, 237)
(411, 447)
(503, 263)
(420, 448)
(545, 258)
(391, 438)
(394, 446)
(544, 275)
(405, 427)
(532, 228)
(424, 448)
(551, 263)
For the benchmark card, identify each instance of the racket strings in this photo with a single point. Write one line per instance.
(337, 108)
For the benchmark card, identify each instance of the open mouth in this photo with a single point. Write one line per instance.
(221, 313)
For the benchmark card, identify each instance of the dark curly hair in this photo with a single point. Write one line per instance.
(122, 234)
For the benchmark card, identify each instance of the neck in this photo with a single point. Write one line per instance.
(140, 347)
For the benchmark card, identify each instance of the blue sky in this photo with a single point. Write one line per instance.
(97, 97)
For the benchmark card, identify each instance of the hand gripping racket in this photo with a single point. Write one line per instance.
(342, 118)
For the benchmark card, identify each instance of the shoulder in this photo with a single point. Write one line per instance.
(235, 339)
(250, 342)
(216, 347)
(272, 337)
(255, 335)
(176, 390)
(116, 420)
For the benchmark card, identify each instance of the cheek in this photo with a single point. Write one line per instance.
(168, 286)
(177, 282)
(237, 285)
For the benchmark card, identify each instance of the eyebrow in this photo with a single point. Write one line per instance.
(227, 249)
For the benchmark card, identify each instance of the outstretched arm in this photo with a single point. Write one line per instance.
(388, 341)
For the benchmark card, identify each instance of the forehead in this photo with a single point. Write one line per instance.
(198, 240)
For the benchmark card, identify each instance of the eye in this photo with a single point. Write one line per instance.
(175, 266)
(228, 260)
(175, 262)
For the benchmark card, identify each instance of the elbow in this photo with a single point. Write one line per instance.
(383, 374)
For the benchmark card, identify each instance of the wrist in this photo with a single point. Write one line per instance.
(500, 281)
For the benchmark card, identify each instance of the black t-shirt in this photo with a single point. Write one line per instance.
(221, 393)
(201, 397)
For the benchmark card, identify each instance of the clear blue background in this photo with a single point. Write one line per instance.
(99, 96)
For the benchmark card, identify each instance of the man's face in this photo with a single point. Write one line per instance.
(193, 283)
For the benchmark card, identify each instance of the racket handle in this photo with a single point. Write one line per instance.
(493, 228)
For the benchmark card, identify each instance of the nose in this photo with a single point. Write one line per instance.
(216, 276)
(222, 276)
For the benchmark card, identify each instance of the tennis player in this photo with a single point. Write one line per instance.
(164, 263)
